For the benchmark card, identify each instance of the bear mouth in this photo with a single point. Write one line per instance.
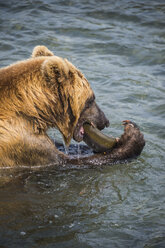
(79, 132)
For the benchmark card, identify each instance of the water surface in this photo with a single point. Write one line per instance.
(120, 47)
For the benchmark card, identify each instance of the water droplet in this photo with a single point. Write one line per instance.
(66, 148)
(78, 151)
(71, 225)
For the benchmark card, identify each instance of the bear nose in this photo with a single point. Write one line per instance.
(105, 123)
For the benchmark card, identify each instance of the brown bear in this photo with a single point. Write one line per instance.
(36, 94)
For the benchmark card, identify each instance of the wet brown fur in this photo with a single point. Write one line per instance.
(35, 94)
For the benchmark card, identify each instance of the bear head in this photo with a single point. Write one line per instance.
(71, 99)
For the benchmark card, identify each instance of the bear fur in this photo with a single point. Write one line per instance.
(36, 94)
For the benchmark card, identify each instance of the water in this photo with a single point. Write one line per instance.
(120, 47)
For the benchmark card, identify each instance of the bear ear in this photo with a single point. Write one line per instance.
(55, 69)
(41, 51)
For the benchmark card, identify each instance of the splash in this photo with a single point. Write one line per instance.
(78, 151)
(66, 148)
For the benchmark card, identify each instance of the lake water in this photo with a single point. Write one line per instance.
(120, 47)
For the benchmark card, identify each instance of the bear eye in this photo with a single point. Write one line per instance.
(89, 102)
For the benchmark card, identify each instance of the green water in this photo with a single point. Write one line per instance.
(120, 47)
